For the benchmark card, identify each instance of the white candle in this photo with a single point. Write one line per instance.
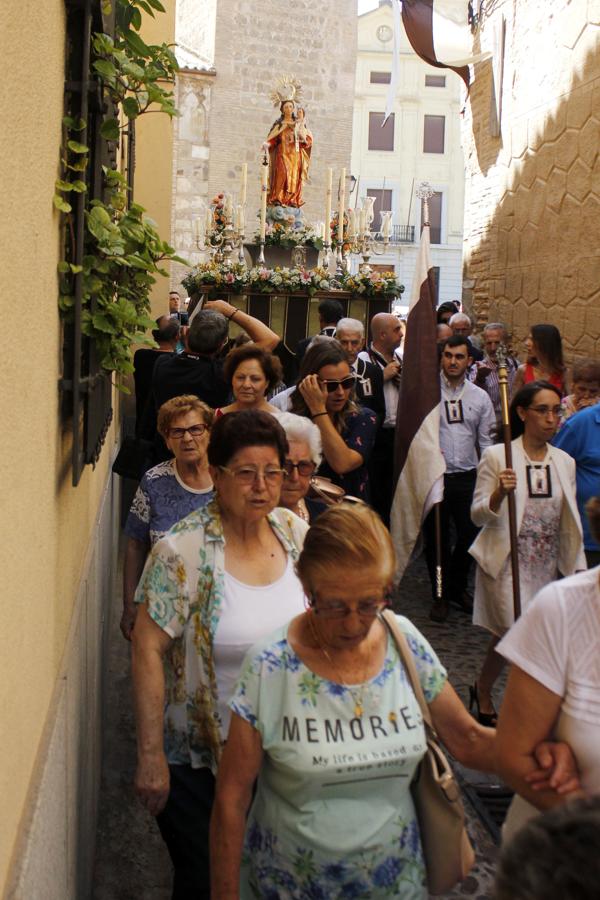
(243, 185)
(209, 220)
(342, 206)
(321, 230)
(228, 207)
(327, 234)
(264, 179)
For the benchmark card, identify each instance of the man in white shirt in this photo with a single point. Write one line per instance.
(386, 333)
(467, 423)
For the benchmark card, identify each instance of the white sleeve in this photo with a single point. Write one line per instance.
(538, 642)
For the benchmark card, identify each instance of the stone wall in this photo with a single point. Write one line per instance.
(532, 206)
(258, 40)
(190, 166)
(195, 32)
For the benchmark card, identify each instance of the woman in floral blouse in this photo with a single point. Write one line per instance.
(216, 583)
(325, 716)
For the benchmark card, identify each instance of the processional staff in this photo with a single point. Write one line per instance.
(501, 355)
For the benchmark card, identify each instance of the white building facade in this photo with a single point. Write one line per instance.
(420, 142)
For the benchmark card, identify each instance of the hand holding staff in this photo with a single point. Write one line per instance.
(509, 485)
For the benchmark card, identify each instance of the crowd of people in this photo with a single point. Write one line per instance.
(277, 730)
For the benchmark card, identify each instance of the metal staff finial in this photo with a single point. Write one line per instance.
(424, 191)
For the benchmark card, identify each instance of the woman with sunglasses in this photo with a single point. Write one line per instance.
(168, 491)
(548, 524)
(325, 393)
(301, 462)
(216, 583)
(324, 715)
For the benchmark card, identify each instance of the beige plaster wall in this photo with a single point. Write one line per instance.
(46, 523)
(154, 155)
(532, 209)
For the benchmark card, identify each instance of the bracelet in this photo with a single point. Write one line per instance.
(236, 310)
(316, 415)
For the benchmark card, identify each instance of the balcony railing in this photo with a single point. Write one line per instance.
(401, 234)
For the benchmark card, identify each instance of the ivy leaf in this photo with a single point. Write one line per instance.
(63, 185)
(106, 7)
(105, 68)
(80, 166)
(65, 302)
(75, 269)
(137, 44)
(131, 107)
(74, 147)
(63, 267)
(100, 322)
(61, 204)
(74, 124)
(110, 130)
(79, 186)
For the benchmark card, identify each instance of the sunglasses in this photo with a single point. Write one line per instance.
(333, 384)
(305, 467)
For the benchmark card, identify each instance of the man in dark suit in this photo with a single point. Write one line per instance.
(369, 379)
(330, 313)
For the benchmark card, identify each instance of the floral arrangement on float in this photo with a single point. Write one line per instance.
(260, 279)
(371, 284)
(287, 235)
(334, 226)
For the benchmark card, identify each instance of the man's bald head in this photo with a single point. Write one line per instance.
(386, 330)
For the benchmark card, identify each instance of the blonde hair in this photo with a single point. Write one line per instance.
(180, 406)
(346, 536)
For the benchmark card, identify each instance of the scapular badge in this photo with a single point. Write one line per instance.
(539, 482)
(454, 412)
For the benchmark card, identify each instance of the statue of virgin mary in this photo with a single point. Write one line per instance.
(289, 142)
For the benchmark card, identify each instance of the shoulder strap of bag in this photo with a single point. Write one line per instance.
(409, 664)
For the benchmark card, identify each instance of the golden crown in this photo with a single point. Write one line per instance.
(286, 88)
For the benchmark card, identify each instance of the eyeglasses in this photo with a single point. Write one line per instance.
(547, 410)
(333, 384)
(248, 474)
(367, 609)
(305, 467)
(195, 431)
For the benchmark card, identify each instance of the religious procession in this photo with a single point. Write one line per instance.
(324, 506)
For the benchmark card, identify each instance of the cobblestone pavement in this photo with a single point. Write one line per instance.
(131, 861)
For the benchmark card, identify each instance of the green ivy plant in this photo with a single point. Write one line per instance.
(123, 251)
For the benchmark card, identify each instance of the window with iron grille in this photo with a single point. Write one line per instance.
(381, 138)
(433, 134)
(86, 388)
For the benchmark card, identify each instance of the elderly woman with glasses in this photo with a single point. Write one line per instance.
(325, 716)
(216, 583)
(548, 524)
(168, 491)
(325, 394)
(301, 462)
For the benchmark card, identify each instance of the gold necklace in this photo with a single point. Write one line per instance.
(357, 697)
(302, 511)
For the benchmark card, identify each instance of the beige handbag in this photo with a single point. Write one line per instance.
(446, 846)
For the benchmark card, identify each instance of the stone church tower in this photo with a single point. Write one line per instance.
(231, 53)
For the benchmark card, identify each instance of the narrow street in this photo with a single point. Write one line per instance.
(131, 861)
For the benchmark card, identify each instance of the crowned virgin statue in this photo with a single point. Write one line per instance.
(289, 142)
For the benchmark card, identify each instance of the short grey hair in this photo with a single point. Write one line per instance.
(299, 428)
(495, 326)
(350, 325)
(207, 332)
(458, 317)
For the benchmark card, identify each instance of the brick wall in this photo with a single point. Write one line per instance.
(532, 204)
